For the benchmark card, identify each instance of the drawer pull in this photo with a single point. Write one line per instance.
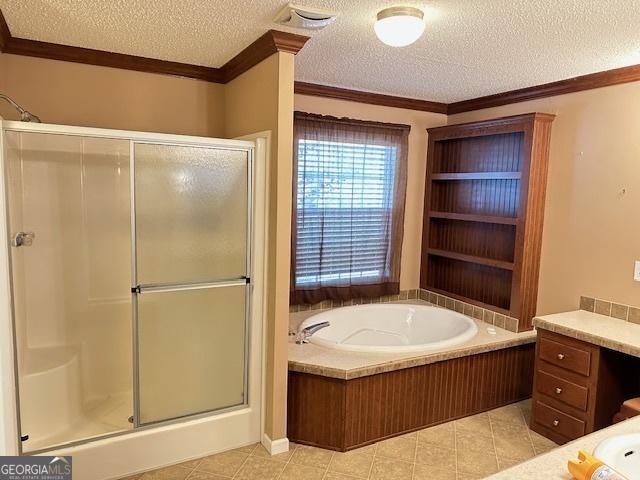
(556, 423)
(558, 390)
(561, 356)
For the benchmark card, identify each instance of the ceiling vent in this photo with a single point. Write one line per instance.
(304, 17)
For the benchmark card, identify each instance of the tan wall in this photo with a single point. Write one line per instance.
(419, 121)
(90, 96)
(262, 99)
(592, 229)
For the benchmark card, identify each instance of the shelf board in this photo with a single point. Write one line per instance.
(468, 217)
(477, 176)
(489, 262)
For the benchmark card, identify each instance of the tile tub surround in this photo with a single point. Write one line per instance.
(610, 309)
(317, 360)
(485, 315)
(553, 464)
(602, 330)
(465, 449)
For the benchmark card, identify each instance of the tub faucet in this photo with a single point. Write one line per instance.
(304, 333)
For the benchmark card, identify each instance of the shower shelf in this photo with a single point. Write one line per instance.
(490, 262)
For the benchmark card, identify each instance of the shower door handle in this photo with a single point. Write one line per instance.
(23, 239)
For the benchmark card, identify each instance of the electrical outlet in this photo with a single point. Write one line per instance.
(636, 271)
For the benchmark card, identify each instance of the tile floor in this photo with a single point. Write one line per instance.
(466, 449)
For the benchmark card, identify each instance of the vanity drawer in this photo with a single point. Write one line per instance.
(562, 390)
(557, 421)
(565, 356)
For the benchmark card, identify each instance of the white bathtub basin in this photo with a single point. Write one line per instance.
(391, 328)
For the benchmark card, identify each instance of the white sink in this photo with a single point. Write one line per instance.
(622, 453)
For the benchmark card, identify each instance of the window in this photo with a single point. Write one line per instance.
(349, 187)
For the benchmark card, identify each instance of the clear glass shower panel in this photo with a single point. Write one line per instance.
(191, 351)
(191, 213)
(69, 215)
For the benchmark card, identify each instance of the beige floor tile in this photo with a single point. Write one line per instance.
(541, 444)
(351, 463)
(525, 408)
(256, 468)
(260, 451)
(198, 475)
(427, 472)
(190, 464)
(248, 448)
(368, 450)
(314, 457)
(466, 440)
(168, 473)
(225, 464)
(301, 472)
(504, 463)
(337, 476)
(443, 435)
(508, 414)
(468, 476)
(430, 454)
(400, 448)
(512, 441)
(388, 469)
(478, 424)
(476, 463)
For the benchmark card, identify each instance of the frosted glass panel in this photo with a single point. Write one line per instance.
(71, 286)
(191, 213)
(191, 351)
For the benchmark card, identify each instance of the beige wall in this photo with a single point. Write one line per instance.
(90, 96)
(419, 121)
(592, 220)
(262, 99)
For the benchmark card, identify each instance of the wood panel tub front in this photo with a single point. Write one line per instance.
(345, 414)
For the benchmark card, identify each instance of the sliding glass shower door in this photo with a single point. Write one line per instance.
(190, 278)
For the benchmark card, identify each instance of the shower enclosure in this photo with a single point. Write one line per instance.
(130, 264)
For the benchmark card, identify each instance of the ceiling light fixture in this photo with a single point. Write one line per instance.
(399, 26)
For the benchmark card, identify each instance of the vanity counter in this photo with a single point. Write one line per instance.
(601, 330)
(553, 464)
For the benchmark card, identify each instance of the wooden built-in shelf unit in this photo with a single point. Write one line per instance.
(484, 211)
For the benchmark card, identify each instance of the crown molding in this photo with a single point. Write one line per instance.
(5, 34)
(271, 42)
(277, 41)
(316, 90)
(571, 85)
(66, 53)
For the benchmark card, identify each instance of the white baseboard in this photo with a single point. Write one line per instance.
(275, 447)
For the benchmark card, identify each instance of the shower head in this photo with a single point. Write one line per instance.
(25, 116)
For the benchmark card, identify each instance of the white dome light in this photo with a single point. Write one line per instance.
(399, 26)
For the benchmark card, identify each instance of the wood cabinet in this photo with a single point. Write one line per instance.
(483, 213)
(578, 387)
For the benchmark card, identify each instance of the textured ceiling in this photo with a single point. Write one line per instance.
(470, 48)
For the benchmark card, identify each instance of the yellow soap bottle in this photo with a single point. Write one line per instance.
(590, 468)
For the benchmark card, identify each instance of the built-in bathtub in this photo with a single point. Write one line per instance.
(391, 328)
(383, 370)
